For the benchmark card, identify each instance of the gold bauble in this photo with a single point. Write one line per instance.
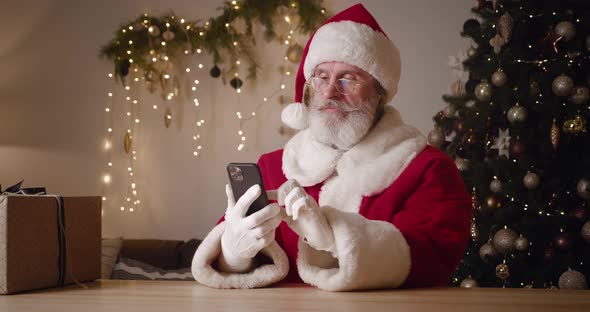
(575, 126)
(499, 78)
(127, 142)
(554, 135)
(483, 91)
(502, 271)
(493, 202)
(294, 53)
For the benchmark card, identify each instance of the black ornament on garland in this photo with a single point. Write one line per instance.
(215, 71)
(236, 83)
(124, 67)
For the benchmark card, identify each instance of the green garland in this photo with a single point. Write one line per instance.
(150, 38)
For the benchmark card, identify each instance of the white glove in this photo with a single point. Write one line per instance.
(245, 236)
(304, 217)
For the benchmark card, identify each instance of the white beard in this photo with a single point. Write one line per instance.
(339, 129)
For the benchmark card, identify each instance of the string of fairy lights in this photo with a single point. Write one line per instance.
(130, 106)
(284, 72)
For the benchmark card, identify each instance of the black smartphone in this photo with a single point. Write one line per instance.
(241, 177)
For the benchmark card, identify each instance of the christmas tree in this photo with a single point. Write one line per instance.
(516, 126)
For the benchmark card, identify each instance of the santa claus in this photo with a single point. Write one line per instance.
(367, 204)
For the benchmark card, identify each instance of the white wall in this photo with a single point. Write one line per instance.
(53, 93)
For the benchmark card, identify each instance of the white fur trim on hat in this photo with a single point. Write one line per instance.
(359, 45)
(295, 116)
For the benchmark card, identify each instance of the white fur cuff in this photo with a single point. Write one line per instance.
(209, 251)
(370, 254)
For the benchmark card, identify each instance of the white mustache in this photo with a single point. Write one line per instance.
(336, 104)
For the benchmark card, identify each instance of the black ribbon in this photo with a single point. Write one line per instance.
(27, 190)
(61, 240)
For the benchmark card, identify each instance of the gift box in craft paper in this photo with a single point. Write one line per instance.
(48, 241)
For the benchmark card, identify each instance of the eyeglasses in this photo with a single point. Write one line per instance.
(343, 86)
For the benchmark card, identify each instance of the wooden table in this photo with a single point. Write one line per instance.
(107, 295)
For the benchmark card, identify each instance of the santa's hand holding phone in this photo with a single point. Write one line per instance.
(304, 216)
(245, 236)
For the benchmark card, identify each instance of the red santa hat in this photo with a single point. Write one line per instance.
(352, 36)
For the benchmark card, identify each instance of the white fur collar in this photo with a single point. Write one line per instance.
(366, 169)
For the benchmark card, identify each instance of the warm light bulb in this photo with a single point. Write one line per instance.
(196, 81)
(106, 179)
(110, 164)
(200, 65)
(188, 70)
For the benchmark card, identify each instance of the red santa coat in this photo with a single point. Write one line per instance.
(399, 212)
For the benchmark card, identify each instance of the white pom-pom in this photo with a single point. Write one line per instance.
(295, 116)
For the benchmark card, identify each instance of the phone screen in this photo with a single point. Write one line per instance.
(241, 177)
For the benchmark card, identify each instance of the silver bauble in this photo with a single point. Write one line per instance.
(580, 95)
(565, 29)
(572, 279)
(562, 85)
(436, 137)
(487, 252)
(469, 283)
(516, 114)
(531, 180)
(483, 91)
(499, 78)
(168, 35)
(496, 186)
(583, 188)
(462, 164)
(585, 232)
(154, 30)
(504, 240)
(521, 243)
(449, 111)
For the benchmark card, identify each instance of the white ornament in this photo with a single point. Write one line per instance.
(502, 143)
(456, 64)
